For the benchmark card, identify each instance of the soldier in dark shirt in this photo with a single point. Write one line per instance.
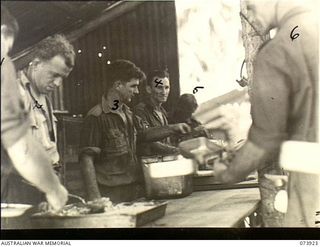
(152, 112)
(110, 135)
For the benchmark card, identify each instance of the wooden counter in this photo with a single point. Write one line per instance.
(216, 208)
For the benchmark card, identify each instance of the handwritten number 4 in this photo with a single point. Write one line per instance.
(37, 105)
(158, 82)
(294, 36)
(116, 105)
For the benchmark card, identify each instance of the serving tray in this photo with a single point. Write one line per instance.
(132, 215)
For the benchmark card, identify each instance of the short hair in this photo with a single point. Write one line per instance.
(55, 45)
(186, 102)
(8, 20)
(124, 71)
(157, 73)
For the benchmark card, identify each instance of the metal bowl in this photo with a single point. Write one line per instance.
(199, 146)
(13, 209)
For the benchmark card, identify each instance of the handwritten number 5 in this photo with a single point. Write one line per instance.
(294, 36)
(116, 105)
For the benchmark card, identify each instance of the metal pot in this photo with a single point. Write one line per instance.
(171, 178)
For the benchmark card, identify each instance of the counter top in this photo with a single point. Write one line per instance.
(216, 208)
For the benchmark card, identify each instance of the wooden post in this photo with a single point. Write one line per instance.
(251, 40)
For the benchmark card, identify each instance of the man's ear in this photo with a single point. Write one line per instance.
(35, 62)
(117, 84)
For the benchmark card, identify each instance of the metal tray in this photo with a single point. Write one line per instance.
(135, 215)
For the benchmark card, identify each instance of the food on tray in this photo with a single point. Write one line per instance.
(79, 208)
(101, 205)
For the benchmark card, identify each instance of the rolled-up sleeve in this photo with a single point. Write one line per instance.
(90, 138)
(270, 102)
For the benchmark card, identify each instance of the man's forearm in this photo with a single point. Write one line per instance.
(155, 133)
(33, 163)
(163, 149)
(247, 159)
(89, 175)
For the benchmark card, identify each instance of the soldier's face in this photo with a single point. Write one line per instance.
(48, 75)
(129, 89)
(160, 89)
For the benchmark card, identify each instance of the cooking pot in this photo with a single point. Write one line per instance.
(168, 176)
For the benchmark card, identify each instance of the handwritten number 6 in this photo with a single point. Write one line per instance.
(116, 105)
(294, 36)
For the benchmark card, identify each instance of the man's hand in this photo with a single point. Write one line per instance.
(57, 198)
(234, 119)
(220, 172)
(181, 128)
(93, 195)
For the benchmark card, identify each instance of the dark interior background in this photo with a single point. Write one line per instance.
(144, 34)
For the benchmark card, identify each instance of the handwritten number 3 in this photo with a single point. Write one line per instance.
(116, 105)
(294, 36)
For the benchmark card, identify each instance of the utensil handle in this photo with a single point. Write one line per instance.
(77, 197)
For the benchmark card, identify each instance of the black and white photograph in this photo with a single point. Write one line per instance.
(158, 115)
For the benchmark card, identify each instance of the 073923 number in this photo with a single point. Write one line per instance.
(309, 242)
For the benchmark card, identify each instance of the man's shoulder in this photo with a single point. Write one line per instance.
(95, 111)
(140, 107)
(271, 45)
(274, 52)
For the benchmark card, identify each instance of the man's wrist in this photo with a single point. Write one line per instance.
(173, 128)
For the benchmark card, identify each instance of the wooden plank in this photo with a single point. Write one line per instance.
(208, 183)
(210, 209)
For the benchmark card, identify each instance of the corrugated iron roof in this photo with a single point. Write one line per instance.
(39, 19)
